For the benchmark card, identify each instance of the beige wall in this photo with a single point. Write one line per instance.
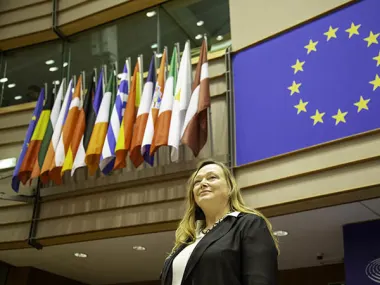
(255, 20)
(25, 22)
(128, 198)
(151, 199)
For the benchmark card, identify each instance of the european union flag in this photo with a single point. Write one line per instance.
(317, 83)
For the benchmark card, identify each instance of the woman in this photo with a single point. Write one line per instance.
(219, 240)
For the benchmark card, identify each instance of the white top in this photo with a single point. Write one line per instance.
(180, 261)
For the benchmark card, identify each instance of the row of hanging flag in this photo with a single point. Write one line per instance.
(100, 127)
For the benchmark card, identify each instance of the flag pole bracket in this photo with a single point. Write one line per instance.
(56, 28)
(32, 241)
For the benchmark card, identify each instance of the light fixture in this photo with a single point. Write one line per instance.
(139, 248)
(54, 68)
(219, 38)
(159, 55)
(153, 46)
(198, 37)
(65, 64)
(80, 255)
(3, 80)
(151, 14)
(11, 85)
(49, 62)
(200, 23)
(18, 97)
(280, 233)
(56, 82)
(7, 163)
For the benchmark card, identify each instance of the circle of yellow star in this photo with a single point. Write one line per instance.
(340, 117)
(331, 33)
(301, 106)
(294, 88)
(362, 104)
(298, 66)
(353, 30)
(372, 39)
(317, 117)
(375, 82)
(34, 118)
(377, 58)
(312, 46)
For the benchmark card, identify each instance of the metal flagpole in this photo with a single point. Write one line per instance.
(96, 76)
(83, 87)
(175, 82)
(209, 113)
(128, 62)
(46, 91)
(105, 77)
(231, 115)
(142, 87)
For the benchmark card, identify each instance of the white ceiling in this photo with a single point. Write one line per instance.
(113, 261)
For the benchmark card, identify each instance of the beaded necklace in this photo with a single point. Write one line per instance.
(217, 222)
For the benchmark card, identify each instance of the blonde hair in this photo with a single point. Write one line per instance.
(186, 231)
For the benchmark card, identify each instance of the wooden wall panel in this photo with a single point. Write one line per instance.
(271, 17)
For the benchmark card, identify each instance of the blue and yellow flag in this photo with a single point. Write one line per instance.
(317, 83)
(32, 124)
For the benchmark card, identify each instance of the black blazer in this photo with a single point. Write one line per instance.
(238, 251)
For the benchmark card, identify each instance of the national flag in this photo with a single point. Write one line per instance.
(153, 113)
(29, 133)
(63, 148)
(107, 160)
(49, 131)
(161, 129)
(181, 102)
(195, 128)
(49, 161)
(77, 132)
(312, 85)
(126, 129)
(91, 107)
(142, 115)
(99, 133)
(31, 155)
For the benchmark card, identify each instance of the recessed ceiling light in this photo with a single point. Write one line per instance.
(219, 38)
(198, 37)
(3, 80)
(280, 233)
(151, 14)
(159, 55)
(65, 64)
(139, 248)
(80, 255)
(18, 97)
(56, 82)
(11, 85)
(49, 62)
(54, 68)
(200, 23)
(153, 46)
(8, 163)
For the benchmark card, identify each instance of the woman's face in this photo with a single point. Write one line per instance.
(210, 187)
